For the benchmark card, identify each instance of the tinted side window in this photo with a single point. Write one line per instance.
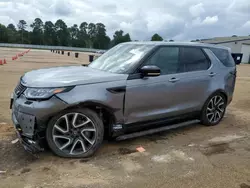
(224, 56)
(167, 59)
(193, 59)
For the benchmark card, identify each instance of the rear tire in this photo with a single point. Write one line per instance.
(75, 133)
(214, 109)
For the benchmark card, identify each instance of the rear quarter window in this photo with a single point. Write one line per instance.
(224, 56)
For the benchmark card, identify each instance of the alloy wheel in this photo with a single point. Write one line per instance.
(74, 133)
(215, 109)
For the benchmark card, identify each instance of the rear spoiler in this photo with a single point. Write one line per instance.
(237, 57)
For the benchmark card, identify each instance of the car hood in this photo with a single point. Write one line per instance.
(68, 76)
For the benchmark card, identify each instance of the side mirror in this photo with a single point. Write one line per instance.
(150, 71)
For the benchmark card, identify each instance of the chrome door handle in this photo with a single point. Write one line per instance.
(174, 80)
(212, 74)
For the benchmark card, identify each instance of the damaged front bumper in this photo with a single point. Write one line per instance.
(30, 119)
(28, 143)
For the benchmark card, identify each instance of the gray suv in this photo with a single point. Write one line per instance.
(133, 87)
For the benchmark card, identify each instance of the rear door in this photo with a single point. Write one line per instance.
(197, 75)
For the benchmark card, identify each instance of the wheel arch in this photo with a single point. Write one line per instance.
(203, 116)
(213, 93)
(105, 112)
(223, 92)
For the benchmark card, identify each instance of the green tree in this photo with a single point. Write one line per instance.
(62, 33)
(83, 27)
(119, 38)
(11, 27)
(50, 37)
(12, 33)
(37, 34)
(22, 26)
(3, 33)
(91, 34)
(156, 37)
(101, 40)
(74, 33)
(126, 38)
(83, 38)
(86, 35)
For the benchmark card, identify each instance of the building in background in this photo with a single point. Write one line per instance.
(237, 44)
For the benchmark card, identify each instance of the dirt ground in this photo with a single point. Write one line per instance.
(195, 156)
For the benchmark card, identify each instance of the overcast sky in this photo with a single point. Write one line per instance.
(172, 19)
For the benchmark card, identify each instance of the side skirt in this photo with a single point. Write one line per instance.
(121, 129)
(156, 130)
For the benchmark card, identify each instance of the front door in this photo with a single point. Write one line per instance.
(152, 98)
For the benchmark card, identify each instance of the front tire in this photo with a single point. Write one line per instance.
(214, 109)
(75, 133)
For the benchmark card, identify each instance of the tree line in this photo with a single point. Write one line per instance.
(86, 35)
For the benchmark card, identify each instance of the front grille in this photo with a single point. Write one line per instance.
(19, 89)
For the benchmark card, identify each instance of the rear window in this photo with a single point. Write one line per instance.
(224, 56)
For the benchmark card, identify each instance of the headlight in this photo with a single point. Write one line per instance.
(43, 93)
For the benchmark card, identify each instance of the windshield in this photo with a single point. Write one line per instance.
(121, 58)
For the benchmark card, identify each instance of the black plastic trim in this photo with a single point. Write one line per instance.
(131, 127)
(134, 76)
(156, 130)
(115, 90)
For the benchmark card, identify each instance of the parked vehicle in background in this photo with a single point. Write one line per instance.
(100, 51)
(133, 86)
